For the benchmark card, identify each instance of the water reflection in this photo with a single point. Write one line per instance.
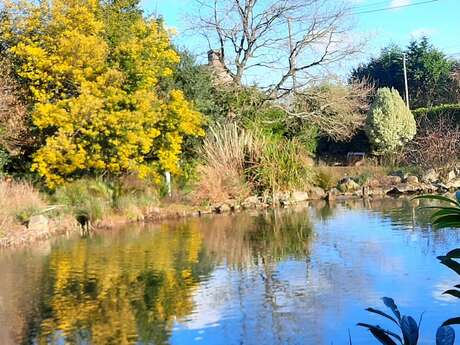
(281, 277)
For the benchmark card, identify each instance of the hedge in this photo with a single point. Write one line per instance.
(448, 110)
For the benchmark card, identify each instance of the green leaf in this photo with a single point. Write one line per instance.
(452, 292)
(445, 335)
(452, 264)
(437, 197)
(446, 221)
(409, 329)
(381, 334)
(379, 312)
(452, 321)
(390, 303)
(454, 254)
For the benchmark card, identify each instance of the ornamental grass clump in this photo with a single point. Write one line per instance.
(238, 161)
(226, 152)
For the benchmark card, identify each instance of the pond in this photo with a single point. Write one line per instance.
(291, 276)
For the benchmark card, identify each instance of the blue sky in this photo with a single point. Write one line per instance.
(440, 20)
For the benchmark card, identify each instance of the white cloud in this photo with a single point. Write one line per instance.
(421, 32)
(399, 3)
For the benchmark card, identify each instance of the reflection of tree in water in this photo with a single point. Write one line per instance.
(19, 272)
(403, 213)
(132, 287)
(244, 239)
(254, 245)
(119, 292)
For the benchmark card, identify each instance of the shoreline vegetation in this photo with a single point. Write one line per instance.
(28, 216)
(98, 106)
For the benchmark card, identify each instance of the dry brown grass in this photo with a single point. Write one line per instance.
(217, 185)
(17, 201)
(327, 177)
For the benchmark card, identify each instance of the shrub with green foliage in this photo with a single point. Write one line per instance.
(389, 124)
(273, 123)
(451, 111)
(283, 165)
(4, 160)
(87, 200)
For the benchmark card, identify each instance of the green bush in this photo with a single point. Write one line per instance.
(389, 124)
(4, 160)
(86, 200)
(272, 122)
(451, 111)
(133, 193)
(283, 165)
(326, 178)
(364, 177)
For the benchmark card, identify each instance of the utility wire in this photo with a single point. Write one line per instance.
(382, 9)
(370, 5)
(393, 7)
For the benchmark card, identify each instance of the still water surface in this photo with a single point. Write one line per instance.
(300, 276)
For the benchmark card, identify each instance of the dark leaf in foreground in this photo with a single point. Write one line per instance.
(390, 303)
(445, 336)
(409, 329)
(454, 254)
(380, 334)
(379, 312)
(452, 264)
(452, 292)
(453, 321)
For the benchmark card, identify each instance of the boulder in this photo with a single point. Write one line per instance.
(454, 184)
(316, 193)
(281, 198)
(332, 194)
(373, 183)
(450, 176)
(233, 204)
(412, 179)
(348, 185)
(404, 188)
(403, 175)
(390, 180)
(250, 202)
(427, 187)
(38, 223)
(441, 187)
(299, 196)
(222, 208)
(376, 191)
(430, 176)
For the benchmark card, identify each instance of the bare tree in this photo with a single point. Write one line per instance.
(338, 110)
(286, 42)
(436, 145)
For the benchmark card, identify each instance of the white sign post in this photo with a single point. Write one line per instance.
(168, 182)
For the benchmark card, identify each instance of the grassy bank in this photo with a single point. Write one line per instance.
(28, 214)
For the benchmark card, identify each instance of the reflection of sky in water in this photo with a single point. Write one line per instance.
(356, 258)
(245, 291)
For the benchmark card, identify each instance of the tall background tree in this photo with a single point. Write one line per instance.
(431, 74)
